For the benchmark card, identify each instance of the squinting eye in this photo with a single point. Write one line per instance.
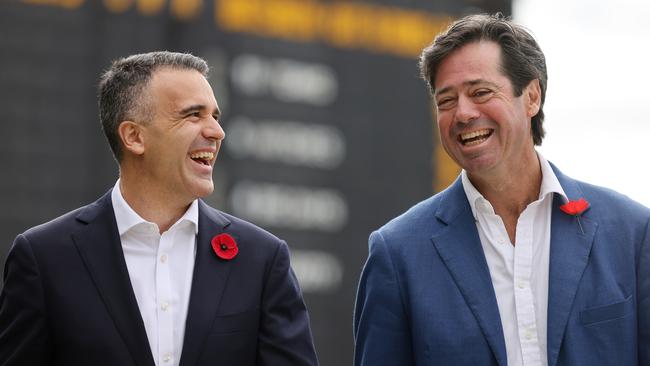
(482, 93)
(445, 103)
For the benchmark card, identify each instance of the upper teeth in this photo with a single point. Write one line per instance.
(470, 135)
(202, 155)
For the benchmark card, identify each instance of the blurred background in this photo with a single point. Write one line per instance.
(329, 128)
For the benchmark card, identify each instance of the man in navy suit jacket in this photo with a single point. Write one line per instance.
(149, 274)
(515, 263)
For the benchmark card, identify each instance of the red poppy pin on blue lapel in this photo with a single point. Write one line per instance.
(576, 208)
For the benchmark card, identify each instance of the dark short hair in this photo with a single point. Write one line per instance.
(122, 86)
(522, 60)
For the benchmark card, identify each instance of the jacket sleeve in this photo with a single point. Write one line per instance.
(381, 327)
(643, 298)
(24, 339)
(285, 336)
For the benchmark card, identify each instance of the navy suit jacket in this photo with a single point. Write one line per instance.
(67, 298)
(426, 297)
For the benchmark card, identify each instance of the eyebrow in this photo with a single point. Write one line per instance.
(197, 107)
(466, 83)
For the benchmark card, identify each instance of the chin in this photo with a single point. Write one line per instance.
(478, 163)
(202, 189)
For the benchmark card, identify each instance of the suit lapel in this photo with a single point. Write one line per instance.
(208, 283)
(569, 255)
(459, 246)
(99, 245)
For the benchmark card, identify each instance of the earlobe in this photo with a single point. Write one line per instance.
(131, 136)
(533, 97)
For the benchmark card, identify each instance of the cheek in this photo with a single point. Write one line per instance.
(444, 121)
(444, 130)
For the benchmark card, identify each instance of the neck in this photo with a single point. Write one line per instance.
(150, 202)
(511, 192)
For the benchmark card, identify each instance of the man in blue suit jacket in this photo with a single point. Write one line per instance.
(149, 274)
(515, 263)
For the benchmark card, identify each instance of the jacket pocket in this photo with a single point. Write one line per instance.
(607, 312)
(247, 321)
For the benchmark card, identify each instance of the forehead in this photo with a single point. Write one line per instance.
(178, 88)
(479, 60)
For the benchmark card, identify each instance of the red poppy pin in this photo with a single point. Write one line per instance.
(225, 246)
(576, 208)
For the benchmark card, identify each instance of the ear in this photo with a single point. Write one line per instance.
(132, 137)
(533, 93)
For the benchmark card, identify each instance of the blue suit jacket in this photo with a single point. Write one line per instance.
(426, 297)
(67, 298)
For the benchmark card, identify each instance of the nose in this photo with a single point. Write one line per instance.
(466, 110)
(213, 130)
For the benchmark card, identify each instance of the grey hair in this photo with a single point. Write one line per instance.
(522, 60)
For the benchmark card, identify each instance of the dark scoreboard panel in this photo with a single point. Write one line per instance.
(329, 129)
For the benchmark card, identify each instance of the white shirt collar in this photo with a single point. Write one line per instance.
(127, 218)
(549, 185)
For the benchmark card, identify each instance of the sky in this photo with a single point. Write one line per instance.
(598, 98)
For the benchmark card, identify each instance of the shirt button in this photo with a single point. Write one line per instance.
(528, 334)
(164, 306)
(163, 258)
(521, 285)
(167, 357)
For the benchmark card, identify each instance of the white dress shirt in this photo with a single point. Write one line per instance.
(519, 272)
(160, 268)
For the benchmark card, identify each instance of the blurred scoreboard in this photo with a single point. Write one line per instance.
(329, 128)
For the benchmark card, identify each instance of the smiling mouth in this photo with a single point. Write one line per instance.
(203, 157)
(475, 137)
